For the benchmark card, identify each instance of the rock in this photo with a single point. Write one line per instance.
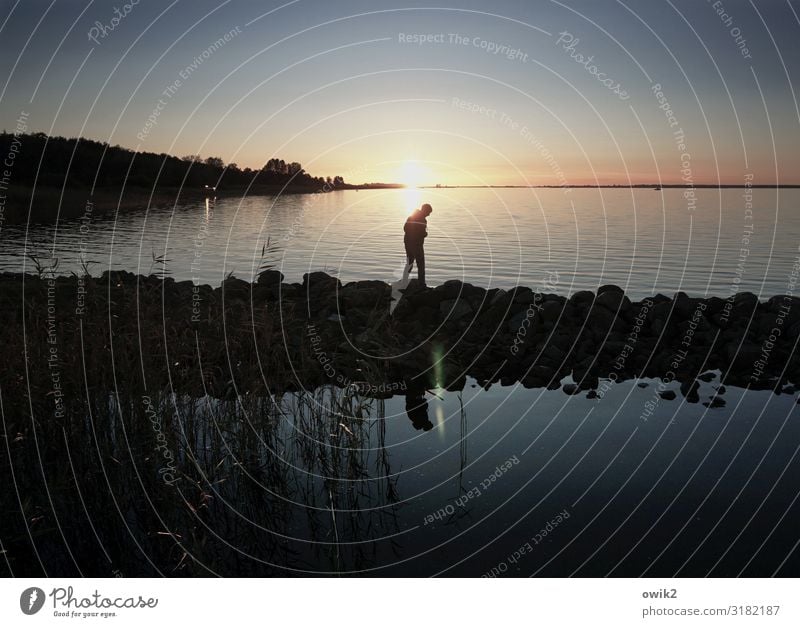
(610, 289)
(367, 295)
(582, 299)
(683, 307)
(583, 337)
(497, 297)
(571, 389)
(455, 309)
(715, 402)
(551, 310)
(614, 301)
(742, 356)
(450, 290)
(514, 324)
(320, 281)
(714, 306)
(474, 295)
(233, 286)
(601, 322)
(270, 278)
(689, 390)
(553, 353)
(747, 301)
(418, 296)
(524, 295)
(503, 301)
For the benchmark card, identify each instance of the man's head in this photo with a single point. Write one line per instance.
(426, 210)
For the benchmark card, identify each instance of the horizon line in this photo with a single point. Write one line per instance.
(613, 185)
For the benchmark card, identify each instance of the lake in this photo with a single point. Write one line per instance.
(496, 481)
(643, 240)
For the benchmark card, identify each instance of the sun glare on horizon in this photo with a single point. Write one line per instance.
(412, 174)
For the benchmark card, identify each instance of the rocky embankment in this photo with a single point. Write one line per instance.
(271, 336)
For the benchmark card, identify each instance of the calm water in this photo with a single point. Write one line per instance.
(644, 240)
(649, 486)
(686, 490)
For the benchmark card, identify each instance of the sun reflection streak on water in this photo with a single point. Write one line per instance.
(412, 197)
(439, 411)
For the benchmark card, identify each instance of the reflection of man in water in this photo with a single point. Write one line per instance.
(416, 230)
(417, 410)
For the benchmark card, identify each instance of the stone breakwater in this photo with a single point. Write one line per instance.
(152, 333)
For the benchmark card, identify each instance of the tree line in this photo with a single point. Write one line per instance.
(85, 163)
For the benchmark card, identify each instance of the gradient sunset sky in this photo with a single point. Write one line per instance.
(341, 87)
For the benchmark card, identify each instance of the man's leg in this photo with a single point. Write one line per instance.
(420, 257)
(409, 265)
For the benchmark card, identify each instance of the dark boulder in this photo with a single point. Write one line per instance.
(316, 282)
(455, 309)
(270, 278)
(613, 300)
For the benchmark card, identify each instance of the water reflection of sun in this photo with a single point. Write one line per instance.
(413, 198)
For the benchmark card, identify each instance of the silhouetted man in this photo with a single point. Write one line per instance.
(417, 410)
(416, 230)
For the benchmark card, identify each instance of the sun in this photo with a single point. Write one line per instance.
(412, 174)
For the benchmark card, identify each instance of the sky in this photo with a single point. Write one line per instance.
(510, 92)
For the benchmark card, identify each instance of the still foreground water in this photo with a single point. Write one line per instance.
(504, 481)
